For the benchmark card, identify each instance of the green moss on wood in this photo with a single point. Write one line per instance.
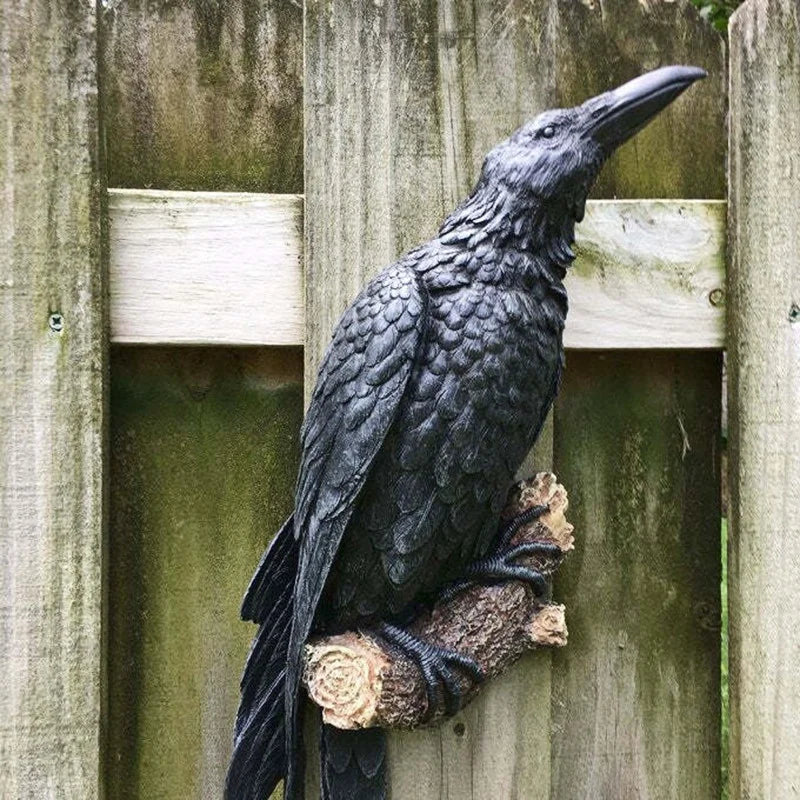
(682, 153)
(204, 94)
(52, 402)
(204, 448)
(636, 443)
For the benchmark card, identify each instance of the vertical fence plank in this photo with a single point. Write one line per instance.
(764, 399)
(403, 100)
(52, 402)
(197, 95)
(204, 449)
(636, 698)
(204, 95)
(636, 694)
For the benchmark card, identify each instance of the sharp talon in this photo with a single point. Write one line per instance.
(527, 516)
(431, 688)
(534, 549)
(435, 663)
(453, 694)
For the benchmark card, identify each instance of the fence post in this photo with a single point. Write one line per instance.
(764, 399)
(205, 96)
(53, 359)
(636, 694)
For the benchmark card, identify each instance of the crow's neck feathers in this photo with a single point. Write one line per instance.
(513, 240)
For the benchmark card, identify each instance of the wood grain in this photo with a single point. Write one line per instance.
(198, 95)
(204, 446)
(203, 95)
(226, 269)
(360, 682)
(636, 693)
(206, 268)
(649, 274)
(53, 372)
(402, 101)
(764, 400)
(636, 696)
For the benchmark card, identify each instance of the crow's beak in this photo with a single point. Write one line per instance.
(617, 115)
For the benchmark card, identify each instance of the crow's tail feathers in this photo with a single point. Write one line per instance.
(259, 757)
(353, 764)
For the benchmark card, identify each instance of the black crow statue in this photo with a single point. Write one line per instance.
(434, 388)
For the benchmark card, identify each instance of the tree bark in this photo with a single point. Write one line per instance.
(360, 682)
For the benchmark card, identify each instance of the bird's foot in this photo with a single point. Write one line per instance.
(438, 665)
(507, 531)
(501, 564)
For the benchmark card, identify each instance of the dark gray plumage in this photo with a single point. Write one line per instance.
(435, 386)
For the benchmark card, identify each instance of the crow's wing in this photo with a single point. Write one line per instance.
(359, 387)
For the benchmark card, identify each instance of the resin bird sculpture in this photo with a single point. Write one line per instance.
(434, 388)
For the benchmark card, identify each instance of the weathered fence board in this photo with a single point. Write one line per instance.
(628, 720)
(764, 400)
(204, 95)
(198, 95)
(636, 698)
(649, 274)
(226, 268)
(206, 268)
(681, 153)
(204, 448)
(402, 101)
(52, 402)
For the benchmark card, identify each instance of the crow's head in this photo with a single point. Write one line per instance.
(555, 158)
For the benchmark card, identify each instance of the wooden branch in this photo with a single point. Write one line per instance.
(359, 682)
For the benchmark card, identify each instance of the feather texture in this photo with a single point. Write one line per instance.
(259, 754)
(357, 396)
(353, 764)
(436, 384)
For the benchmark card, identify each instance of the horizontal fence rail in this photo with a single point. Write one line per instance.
(219, 268)
(225, 268)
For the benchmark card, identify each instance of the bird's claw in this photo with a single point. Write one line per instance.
(500, 565)
(527, 516)
(439, 667)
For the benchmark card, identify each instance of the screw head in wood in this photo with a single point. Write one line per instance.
(56, 322)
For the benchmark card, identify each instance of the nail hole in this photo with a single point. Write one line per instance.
(794, 312)
(459, 729)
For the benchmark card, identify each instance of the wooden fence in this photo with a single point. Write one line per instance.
(265, 159)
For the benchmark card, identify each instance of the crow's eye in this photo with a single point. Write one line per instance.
(548, 132)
